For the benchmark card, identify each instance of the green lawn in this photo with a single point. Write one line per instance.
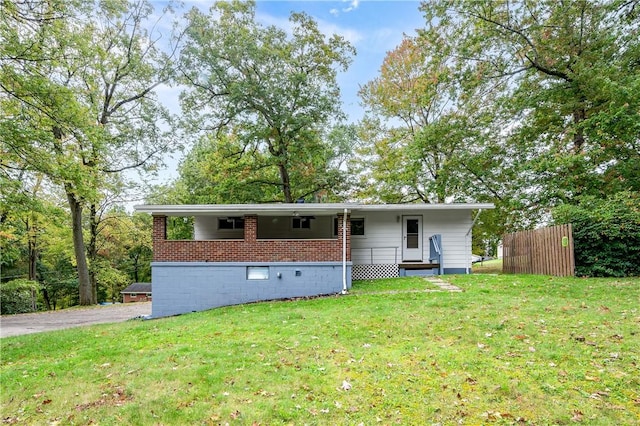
(508, 350)
(493, 266)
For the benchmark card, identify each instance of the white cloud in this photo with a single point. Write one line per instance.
(353, 5)
(353, 36)
(334, 12)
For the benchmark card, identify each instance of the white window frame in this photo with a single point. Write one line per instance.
(257, 273)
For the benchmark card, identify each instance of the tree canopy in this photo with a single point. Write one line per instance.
(78, 105)
(263, 100)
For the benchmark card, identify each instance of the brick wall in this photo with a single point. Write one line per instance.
(248, 250)
(139, 297)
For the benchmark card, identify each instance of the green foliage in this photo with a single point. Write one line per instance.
(110, 282)
(58, 281)
(564, 99)
(18, 296)
(265, 99)
(77, 102)
(606, 234)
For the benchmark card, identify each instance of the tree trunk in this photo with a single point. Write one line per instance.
(84, 283)
(47, 300)
(286, 183)
(579, 115)
(33, 251)
(92, 252)
(135, 259)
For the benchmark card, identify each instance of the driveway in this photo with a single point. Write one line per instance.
(15, 325)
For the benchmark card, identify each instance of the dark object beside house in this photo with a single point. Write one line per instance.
(137, 292)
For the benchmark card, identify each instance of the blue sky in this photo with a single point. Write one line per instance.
(373, 27)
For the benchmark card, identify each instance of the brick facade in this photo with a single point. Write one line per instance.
(139, 297)
(250, 249)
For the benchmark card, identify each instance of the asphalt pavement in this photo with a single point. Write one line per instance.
(15, 325)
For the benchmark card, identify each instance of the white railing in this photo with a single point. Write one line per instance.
(361, 252)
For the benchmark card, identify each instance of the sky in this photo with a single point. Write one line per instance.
(373, 27)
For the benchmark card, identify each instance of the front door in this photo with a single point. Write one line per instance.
(412, 238)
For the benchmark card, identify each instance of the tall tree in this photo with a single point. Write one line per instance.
(263, 98)
(570, 74)
(426, 127)
(77, 98)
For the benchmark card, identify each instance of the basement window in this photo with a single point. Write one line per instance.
(257, 272)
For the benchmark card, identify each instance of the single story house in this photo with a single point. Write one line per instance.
(242, 253)
(137, 292)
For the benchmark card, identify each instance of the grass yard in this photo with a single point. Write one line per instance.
(493, 266)
(508, 350)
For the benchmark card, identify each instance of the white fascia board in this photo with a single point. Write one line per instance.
(423, 207)
(296, 209)
(293, 209)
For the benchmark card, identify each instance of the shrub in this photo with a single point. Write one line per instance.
(18, 296)
(606, 234)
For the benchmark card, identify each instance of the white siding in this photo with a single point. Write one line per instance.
(383, 234)
(453, 226)
(269, 227)
(382, 239)
(277, 227)
(206, 228)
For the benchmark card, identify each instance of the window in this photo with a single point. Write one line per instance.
(231, 223)
(257, 272)
(303, 222)
(357, 226)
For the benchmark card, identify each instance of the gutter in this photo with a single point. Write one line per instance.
(466, 239)
(344, 252)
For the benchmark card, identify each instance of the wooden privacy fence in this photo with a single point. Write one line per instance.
(547, 251)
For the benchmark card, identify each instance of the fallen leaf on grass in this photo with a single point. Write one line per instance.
(235, 415)
(496, 415)
(577, 416)
(598, 395)
(345, 385)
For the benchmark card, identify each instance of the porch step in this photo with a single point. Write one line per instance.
(418, 269)
(419, 265)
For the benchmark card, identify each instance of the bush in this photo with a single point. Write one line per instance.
(18, 296)
(606, 234)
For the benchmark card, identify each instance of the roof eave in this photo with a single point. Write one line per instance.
(297, 208)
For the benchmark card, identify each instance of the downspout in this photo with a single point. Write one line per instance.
(466, 239)
(344, 252)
